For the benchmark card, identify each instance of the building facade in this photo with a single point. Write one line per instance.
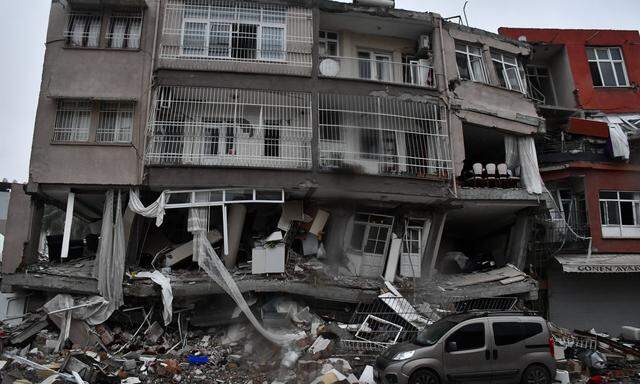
(374, 141)
(586, 86)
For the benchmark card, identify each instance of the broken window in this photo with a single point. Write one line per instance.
(328, 43)
(620, 213)
(83, 30)
(541, 85)
(73, 120)
(371, 233)
(116, 122)
(509, 70)
(124, 30)
(470, 63)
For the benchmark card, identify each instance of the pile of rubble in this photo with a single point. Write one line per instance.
(592, 357)
(134, 347)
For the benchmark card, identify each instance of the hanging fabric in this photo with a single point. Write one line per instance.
(155, 209)
(521, 152)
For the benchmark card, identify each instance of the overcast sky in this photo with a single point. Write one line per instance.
(23, 26)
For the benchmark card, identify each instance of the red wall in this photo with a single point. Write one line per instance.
(599, 177)
(612, 100)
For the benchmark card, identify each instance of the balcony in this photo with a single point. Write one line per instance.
(230, 128)
(236, 36)
(379, 68)
(218, 127)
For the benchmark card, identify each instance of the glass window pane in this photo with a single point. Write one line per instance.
(608, 195)
(475, 51)
(608, 78)
(626, 209)
(273, 43)
(463, 67)
(595, 74)
(461, 47)
(513, 77)
(507, 333)
(468, 337)
(603, 54)
(591, 54)
(500, 72)
(194, 39)
(478, 69)
(620, 73)
(239, 195)
(219, 40)
(615, 53)
(383, 68)
(627, 195)
(370, 247)
(364, 65)
(613, 216)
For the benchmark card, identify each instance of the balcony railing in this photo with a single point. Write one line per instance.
(230, 127)
(383, 136)
(379, 69)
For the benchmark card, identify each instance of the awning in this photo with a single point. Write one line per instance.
(604, 263)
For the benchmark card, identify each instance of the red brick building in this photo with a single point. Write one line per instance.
(586, 83)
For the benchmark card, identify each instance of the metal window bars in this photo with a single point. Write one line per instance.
(380, 69)
(383, 136)
(230, 127)
(223, 30)
(83, 30)
(115, 124)
(124, 30)
(73, 120)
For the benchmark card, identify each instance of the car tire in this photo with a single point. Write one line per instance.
(536, 374)
(424, 376)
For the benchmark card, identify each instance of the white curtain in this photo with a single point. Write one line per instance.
(521, 151)
(155, 209)
(108, 267)
(619, 141)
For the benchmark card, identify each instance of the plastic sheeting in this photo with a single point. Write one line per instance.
(619, 142)
(109, 265)
(167, 294)
(521, 151)
(155, 209)
(214, 267)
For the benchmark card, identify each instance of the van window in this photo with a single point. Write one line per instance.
(468, 337)
(506, 333)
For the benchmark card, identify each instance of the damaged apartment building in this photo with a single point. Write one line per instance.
(317, 148)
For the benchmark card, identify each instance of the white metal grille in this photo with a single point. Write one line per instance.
(374, 67)
(116, 122)
(223, 30)
(230, 127)
(383, 136)
(124, 30)
(73, 120)
(83, 30)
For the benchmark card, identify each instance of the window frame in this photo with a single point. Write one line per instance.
(536, 74)
(325, 40)
(373, 67)
(233, 21)
(121, 108)
(610, 60)
(463, 325)
(468, 54)
(499, 57)
(127, 37)
(367, 230)
(69, 32)
(619, 230)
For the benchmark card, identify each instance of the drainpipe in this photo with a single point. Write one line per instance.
(150, 87)
(447, 106)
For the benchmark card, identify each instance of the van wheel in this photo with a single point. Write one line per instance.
(424, 376)
(536, 374)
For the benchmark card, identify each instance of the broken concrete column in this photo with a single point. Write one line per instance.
(430, 255)
(235, 223)
(518, 239)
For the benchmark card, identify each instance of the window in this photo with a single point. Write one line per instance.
(239, 31)
(374, 66)
(620, 213)
(607, 67)
(470, 63)
(541, 85)
(116, 122)
(369, 143)
(124, 31)
(510, 72)
(272, 138)
(371, 233)
(507, 333)
(73, 121)
(83, 30)
(468, 337)
(329, 122)
(328, 43)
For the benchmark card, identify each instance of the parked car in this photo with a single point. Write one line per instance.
(474, 347)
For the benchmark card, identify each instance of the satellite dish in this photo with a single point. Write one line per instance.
(329, 67)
